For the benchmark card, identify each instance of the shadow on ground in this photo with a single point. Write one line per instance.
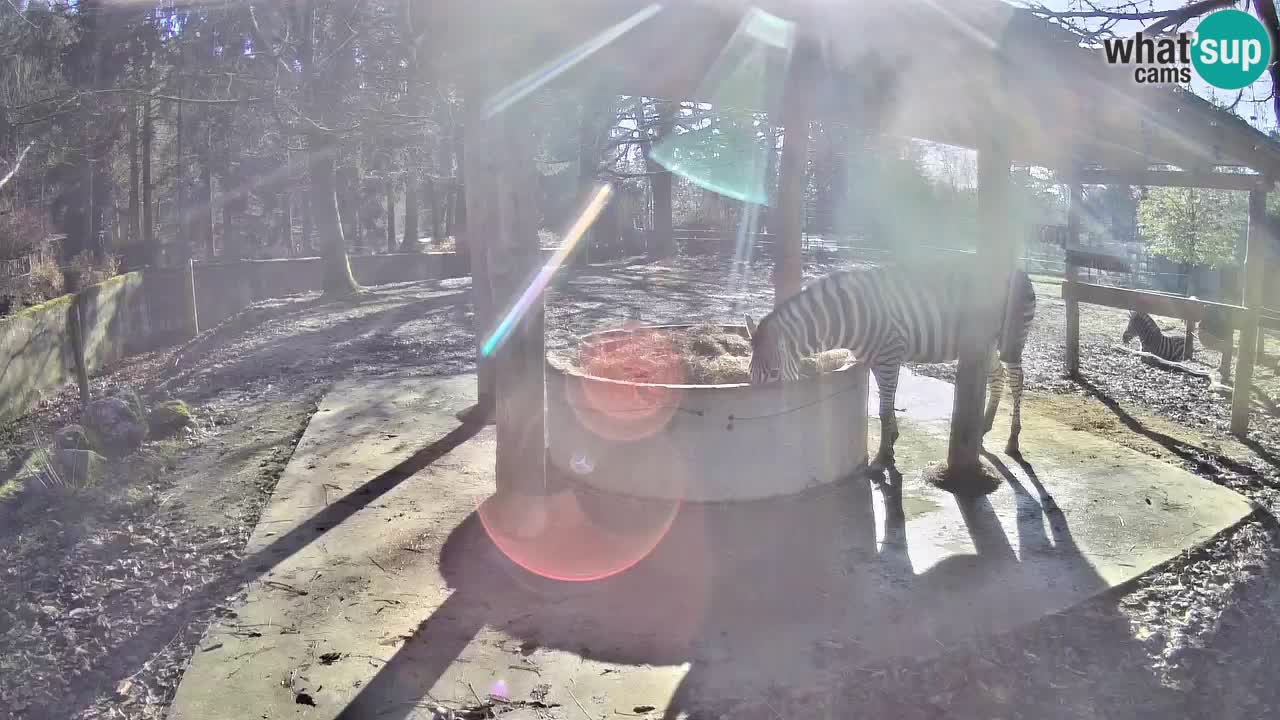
(748, 595)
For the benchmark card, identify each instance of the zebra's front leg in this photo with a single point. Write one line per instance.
(995, 388)
(1015, 389)
(887, 381)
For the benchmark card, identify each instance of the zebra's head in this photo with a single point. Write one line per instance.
(1131, 330)
(770, 359)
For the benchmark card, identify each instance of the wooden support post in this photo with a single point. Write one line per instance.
(1189, 336)
(1253, 286)
(501, 218)
(1072, 277)
(989, 273)
(788, 271)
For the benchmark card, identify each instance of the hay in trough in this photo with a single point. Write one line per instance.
(700, 355)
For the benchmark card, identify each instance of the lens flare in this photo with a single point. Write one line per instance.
(545, 74)
(629, 387)
(563, 537)
(730, 157)
(592, 525)
(595, 205)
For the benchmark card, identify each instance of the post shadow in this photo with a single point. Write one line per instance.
(724, 574)
(114, 662)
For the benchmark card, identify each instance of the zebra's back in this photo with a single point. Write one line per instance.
(920, 304)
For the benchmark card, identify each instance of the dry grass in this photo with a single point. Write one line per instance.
(702, 355)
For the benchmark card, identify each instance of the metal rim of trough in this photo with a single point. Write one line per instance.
(718, 443)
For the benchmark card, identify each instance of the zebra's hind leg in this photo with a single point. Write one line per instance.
(1015, 389)
(995, 388)
(886, 373)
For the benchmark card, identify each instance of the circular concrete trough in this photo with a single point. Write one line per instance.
(704, 443)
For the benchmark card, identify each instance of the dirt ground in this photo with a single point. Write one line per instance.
(85, 624)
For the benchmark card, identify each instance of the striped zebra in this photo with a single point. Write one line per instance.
(888, 316)
(1152, 340)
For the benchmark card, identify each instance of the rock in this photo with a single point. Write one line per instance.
(113, 426)
(80, 468)
(168, 417)
(71, 437)
(132, 397)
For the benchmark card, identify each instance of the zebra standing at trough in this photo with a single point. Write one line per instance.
(1152, 340)
(887, 316)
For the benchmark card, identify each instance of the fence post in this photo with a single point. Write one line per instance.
(1071, 276)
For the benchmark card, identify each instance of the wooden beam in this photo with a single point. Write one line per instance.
(1076, 196)
(1170, 178)
(1147, 301)
(1256, 243)
(989, 273)
(788, 274)
(1096, 260)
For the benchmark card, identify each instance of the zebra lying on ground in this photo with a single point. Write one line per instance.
(887, 316)
(1153, 341)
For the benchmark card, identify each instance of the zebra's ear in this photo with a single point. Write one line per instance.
(751, 326)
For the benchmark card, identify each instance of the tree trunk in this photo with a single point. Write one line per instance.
(205, 215)
(181, 236)
(587, 177)
(308, 248)
(148, 207)
(410, 243)
(437, 220)
(338, 280)
(348, 185)
(391, 216)
(134, 219)
(663, 242)
(269, 201)
(458, 211)
(449, 211)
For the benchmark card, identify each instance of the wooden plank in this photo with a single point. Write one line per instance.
(1096, 260)
(1147, 301)
(1170, 178)
(989, 284)
(1073, 277)
(1253, 286)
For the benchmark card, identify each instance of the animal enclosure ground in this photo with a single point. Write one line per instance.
(109, 582)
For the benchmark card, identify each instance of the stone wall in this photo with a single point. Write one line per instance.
(224, 289)
(152, 308)
(37, 355)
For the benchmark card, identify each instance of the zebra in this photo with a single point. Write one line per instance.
(888, 316)
(1152, 340)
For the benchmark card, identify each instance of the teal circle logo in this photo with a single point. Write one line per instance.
(1231, 49)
